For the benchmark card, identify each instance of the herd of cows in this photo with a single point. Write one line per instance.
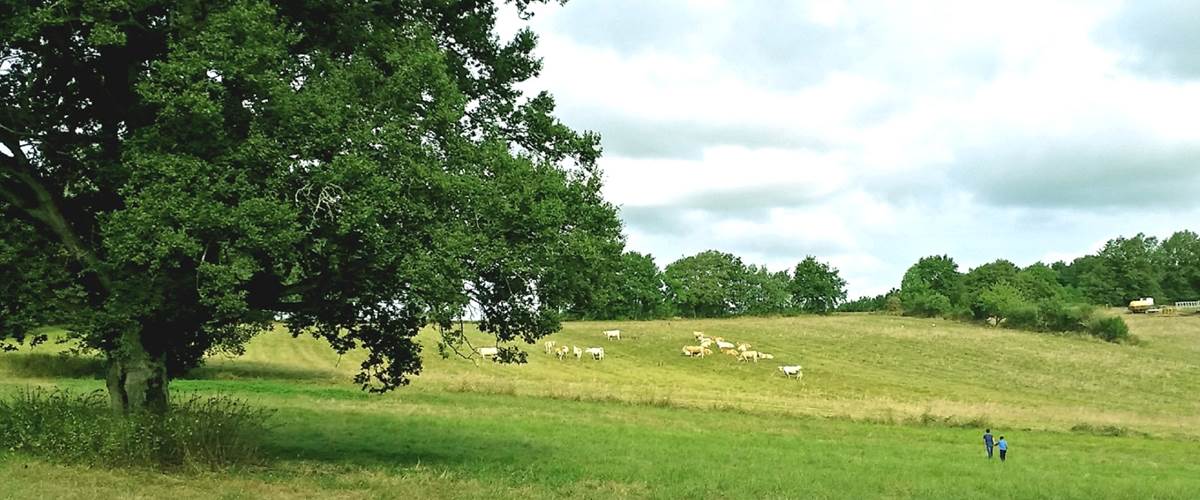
(740, 351)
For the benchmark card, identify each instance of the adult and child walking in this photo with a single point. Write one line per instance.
(989, 442)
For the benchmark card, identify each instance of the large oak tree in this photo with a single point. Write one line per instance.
(177, 175)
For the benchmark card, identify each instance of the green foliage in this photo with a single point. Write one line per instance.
(709, 284)
(633, 289)
(200, 432)
(982, 278)
(182, 174)
(1039, 282)
(1061, 316)
(881, 302)
(926, 303)
(1003, 300)
(1178, 261)
(766, 293)
(1031, 299)
(1131, 268)
(1122, 271)
(714, 284)
(1110, 328)
(932, 287)
(816, 286)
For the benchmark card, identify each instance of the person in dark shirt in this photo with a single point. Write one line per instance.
(1003, 445)
(987, 442)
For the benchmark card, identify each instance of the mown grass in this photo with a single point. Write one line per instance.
(905, 395)
(863, 367)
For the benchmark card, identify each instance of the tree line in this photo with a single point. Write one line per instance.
(1057, 297)
(711, 284)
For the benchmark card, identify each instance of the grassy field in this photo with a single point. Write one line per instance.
(888, 407)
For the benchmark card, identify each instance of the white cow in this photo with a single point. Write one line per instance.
(596, 352)
(792, 371)
(578, 352)
(550, 346)
(486, 352)
(721, 344)
(748, 356)
(562, 352)
(612, 334)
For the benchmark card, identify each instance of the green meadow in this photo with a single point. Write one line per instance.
(888, 407)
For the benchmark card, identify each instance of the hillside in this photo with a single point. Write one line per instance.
(872, 367)
(907, 397)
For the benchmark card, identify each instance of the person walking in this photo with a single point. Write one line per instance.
(1003, 445)
(988, 442)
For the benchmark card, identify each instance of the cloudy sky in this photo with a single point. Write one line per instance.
(870, 134)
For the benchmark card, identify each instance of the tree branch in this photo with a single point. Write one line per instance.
(43, 207)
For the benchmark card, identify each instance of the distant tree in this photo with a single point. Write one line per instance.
(1004, 300)
(767, 293)
(709, 284)
(714, 284)
(982, 278)
(633, 290)
(186, 172)
(816, 286)
(876, 303)
(932, 287)
(1039, 282)
(865, 303)
(1178, 260)
(1090, 277)
(1125, 270)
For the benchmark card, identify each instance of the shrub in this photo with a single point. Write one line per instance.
(1111, 328)
(925, 303)
(1064, 317)
(198, 432)
(893, 306)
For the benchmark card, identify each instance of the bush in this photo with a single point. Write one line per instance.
(199, 432)
(926, 303)
(1112, 329)
(1062, 317)
(893, 306)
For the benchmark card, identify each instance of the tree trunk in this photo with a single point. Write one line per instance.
(137, 379)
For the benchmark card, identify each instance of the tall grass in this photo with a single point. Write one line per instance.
(210, 432)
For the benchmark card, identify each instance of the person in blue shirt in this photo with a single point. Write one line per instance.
(1003, 445)
(987, 442)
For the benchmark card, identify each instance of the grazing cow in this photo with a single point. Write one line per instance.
(550, 346)
(578, 352)
(486, 352)
(562, 352)
(596, 352)
(612, 334)
(721, 344)
(693, 350)
(706, 343)
(748, 356)
(792, 371)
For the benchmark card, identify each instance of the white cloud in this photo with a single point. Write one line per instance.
(871, 134)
